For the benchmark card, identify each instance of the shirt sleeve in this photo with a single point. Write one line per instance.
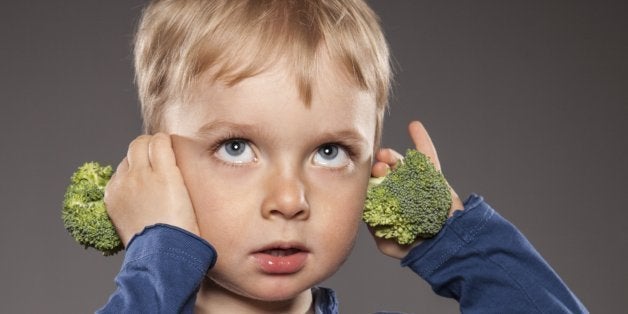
(488, 266)
(161, 273)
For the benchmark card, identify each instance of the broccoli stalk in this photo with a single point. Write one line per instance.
(411, 201)
(84, 214)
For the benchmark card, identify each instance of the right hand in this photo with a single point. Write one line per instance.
(386, 159)
(148, 188)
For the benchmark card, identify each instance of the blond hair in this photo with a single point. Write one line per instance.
(177, 40)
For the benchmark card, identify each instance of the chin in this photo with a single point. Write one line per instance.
(281, 289)
(278, 295)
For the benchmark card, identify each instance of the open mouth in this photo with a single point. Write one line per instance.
(281, 252)
(281, 259)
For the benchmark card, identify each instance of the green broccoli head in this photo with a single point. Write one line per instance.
(84, 214)
(412, 201)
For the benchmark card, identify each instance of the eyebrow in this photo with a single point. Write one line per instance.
(221, 125)
(347, 135)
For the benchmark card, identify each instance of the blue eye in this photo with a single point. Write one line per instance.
(328, 152)
(332, 156)
(236, 152)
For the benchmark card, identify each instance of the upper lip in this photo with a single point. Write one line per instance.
(283, 245)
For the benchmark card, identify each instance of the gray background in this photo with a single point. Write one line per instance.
(527, 102)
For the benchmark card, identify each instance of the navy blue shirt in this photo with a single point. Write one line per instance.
(478, 258)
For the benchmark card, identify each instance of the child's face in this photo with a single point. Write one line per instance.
(277, 187)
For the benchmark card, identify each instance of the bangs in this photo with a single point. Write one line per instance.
(178, 41)
(235, 50)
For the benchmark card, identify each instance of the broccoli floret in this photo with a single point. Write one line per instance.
(412, 201)
(84, 214)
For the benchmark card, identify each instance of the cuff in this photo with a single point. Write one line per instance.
(458, 231)
(163, 238)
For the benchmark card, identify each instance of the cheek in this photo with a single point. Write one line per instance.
(223, 208)
(338, 232)
(343, 206)
(348, 203)
(210, 195)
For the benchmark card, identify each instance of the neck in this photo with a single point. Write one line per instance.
(213, 298)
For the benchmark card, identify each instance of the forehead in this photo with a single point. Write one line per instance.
(272, 98)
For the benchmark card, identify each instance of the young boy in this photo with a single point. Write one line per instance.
(264, 120)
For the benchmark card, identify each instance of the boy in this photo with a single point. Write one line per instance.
(265, 119)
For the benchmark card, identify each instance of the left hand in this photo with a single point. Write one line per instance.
(387, 159)
(148, 188)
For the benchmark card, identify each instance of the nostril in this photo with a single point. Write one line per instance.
(292, 213)
(286, 197)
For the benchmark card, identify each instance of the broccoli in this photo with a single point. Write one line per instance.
(412, 201)
(84, 214)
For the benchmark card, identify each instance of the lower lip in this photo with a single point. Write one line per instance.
(280, 265)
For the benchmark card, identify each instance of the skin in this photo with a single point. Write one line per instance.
(282, 188)
(386, 159)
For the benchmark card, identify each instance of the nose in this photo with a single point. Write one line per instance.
(285, 197)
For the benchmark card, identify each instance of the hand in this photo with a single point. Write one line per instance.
(387, 159)
(148, 188)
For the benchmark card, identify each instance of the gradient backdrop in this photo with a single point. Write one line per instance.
(526, 101)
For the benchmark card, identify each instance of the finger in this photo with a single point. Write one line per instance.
(137, 156)
(389, 156)
(123, 166)
(380, 169)
(121, 170)
(423, 142)
(160, 152)
(390, 247)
